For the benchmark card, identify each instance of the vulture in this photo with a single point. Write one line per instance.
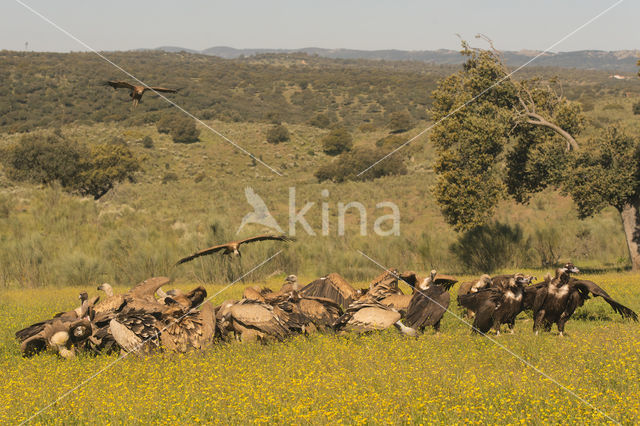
(192, 299)
(367, 316)
(385, 284)
(251, 320)
(136, 91)
(113, 302)
(399, 302)
(183, 331)
(429, 302)
(557, 298)
(233, 247)
(332, 287)
(72, 315)
(497, 304)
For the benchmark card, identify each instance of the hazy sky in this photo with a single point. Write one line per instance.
(356, 24)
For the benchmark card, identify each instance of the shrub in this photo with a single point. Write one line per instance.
(339, 140)
(147, 142)
(278, 133)
(165, 124)
(184, 130)
(320, 120)
(400, 121)
(349, 165)
(487, 248)
(636, 108)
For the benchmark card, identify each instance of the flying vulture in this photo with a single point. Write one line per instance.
(557, 298)
(136, 91)
(234, 246)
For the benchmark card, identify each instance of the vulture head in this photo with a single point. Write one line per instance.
(570, 268)
(483, 282)
(83, 297)
(106, 288)
(80, 331)
(428, 281)
(293, 281)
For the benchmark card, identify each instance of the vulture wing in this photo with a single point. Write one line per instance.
(427, 307)
(120, 85)
(33, 345)
(147, 288)
(332, 287)
(372, 318)
(266, 237)
(446, 281)
(410, 278)
(202, 253)
(585, 287)
(399, 302)
(162, 89)
(126, 338)
(260, 317)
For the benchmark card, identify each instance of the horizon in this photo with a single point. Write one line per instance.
(284, 24)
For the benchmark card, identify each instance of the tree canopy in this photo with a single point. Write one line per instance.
(497, 137)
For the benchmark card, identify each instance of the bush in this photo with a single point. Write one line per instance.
(349, 165)
(165, 124)
(636, 108)
(277, 134)
(487, 248)
(184, 130)
(147, 142)
(320, 120)
(339, 140)
(400, 122)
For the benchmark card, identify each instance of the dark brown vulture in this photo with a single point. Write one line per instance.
(557, 299)
(429, 302)
(496, 305)
(136, 91)
(233, 247)
(332, 287)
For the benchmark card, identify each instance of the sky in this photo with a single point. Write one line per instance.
(355, 24)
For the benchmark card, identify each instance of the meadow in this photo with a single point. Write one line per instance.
(451, 377)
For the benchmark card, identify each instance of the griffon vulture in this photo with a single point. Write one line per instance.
(233, 247)
(136, 91)
(366, 316)
(332, 287)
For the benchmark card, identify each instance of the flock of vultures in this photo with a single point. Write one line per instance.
(149, 318)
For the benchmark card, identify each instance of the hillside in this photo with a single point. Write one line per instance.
(189, 196)
(620, 61)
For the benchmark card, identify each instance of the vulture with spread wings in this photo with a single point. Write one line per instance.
(136, 91)
(233, 247)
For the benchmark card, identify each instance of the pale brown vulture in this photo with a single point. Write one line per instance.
(136, 91)
(113, 302)
(251, 320)
(367, 316)
(233, 247)
(183, 331)
(399, 302)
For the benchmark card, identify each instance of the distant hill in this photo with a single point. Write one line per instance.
(621, 60)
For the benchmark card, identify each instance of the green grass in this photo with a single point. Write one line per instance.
(383, 377)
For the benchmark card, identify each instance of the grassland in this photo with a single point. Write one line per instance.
(448, 378)
(140, 229)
